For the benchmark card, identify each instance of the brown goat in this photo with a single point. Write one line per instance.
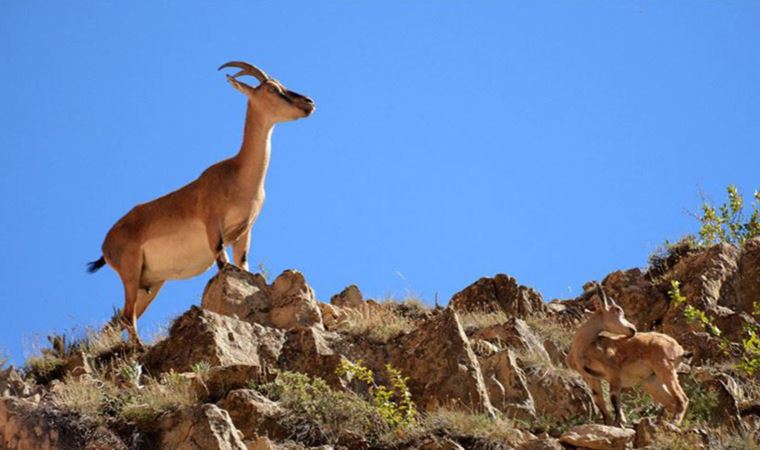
(181, 234)
(625, 360)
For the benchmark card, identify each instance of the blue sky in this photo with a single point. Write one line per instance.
(553, 141)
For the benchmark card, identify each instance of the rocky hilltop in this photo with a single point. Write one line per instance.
(267, 366)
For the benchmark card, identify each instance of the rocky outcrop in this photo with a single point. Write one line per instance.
(450, 374)
(643, 303)
(598, 437)
(507, 385)
(254, 415)
(287, 303)
(310, 351)
(204, 336)
(499, 294)
(350, 297)
(203, 427)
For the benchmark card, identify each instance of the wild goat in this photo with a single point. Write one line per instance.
(648, 359)
(180, 234)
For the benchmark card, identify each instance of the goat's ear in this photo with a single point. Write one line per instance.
(239, 85)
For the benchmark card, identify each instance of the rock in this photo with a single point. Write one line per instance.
(219, 381)
(261, 443)
(202, 427)
(442, 368)
(643, 304)
(238, 293)
(254, 415)
(514, 334)
(498, 294)
(747, 282)
(558, 393)
(507, 386)
(200, 335)
(12, 384)
(293, 302)
(350, 297)
(333, 317)
(542, 443)
(309, 350)
(288, 303)
(645, 429)
(438, 443)
(598, 437)
(24, 425)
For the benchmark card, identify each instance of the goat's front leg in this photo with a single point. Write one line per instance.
(215, 236)
(240, 250)
(615, 389)
(596, 394)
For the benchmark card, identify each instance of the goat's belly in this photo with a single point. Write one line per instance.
(182, 254)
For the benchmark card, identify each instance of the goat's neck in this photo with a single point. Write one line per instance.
(584, 337)
(253, 158)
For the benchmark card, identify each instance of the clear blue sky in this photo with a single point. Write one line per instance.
(553, 141)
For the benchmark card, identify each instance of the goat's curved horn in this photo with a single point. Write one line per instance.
(603, 295)
(247, 69)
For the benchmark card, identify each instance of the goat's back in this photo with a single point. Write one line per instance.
(642, 346)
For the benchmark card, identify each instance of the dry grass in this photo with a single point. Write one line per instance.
(459, 423)
(559, 334)
(377, 322)
(84, 394)
(155, 397)
(478, 320)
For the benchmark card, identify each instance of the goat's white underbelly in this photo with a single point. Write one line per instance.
(182, 254)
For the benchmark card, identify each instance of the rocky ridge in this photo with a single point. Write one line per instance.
(485, 372)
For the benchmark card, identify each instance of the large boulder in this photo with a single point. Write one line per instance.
(310, 351)
(643, 303)
(254, 415)
(507, 385)
(514, 334)
(202, 427)
(442, 367)
(287, 303)
(350, 297)
(557, 393)
(204, 336)
(598, 437)
(498, 294)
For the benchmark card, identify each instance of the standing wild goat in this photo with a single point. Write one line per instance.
(180, 234)
(649, 359)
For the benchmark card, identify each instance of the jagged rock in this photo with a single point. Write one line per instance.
(288, 303)
(220, 380)
(309, 350)
(442, 368)
(645, 429)
(507, 386)
(334, 316)
(350, 297)
(202, 427)
(200, 335)
(238, 293)
(26, 426)
(557, 393)
(541, 443)
(438, 443)
(514, 334)
(644, 305)
(747, 281)
(498, 294)
(254, 415)
(293, 302)
(598, 437)
(12, 384)
(729, 394)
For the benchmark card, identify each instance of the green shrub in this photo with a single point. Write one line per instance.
(750, 362)
(691, 313)
(727, 222)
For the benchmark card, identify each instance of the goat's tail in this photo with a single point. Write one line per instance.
(94, 266)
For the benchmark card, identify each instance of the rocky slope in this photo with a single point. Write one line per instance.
(485, 372)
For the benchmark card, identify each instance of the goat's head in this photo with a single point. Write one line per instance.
(610, 314)
(270, 96)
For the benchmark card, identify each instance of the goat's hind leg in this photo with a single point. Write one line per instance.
(659, 392)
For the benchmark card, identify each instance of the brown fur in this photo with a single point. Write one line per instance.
(180, 234)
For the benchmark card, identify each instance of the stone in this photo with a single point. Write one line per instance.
(238, 293)
(201, 427)
(201, 335)
(541, 443)
(498, 294)
(442, 367)
(350, 297)
(643, 304)
(558, 393)
(514, 334)
(598, 437)
(507, 386)
(253, 414)
(218, 381)
(310, 350)
(293, 302)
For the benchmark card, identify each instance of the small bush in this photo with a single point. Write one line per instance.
(466, 424)
(727, 222)
(83, 394)
(169, 393)
(691, 313)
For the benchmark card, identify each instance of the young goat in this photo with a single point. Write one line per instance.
(181, 234)
(648, 359)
